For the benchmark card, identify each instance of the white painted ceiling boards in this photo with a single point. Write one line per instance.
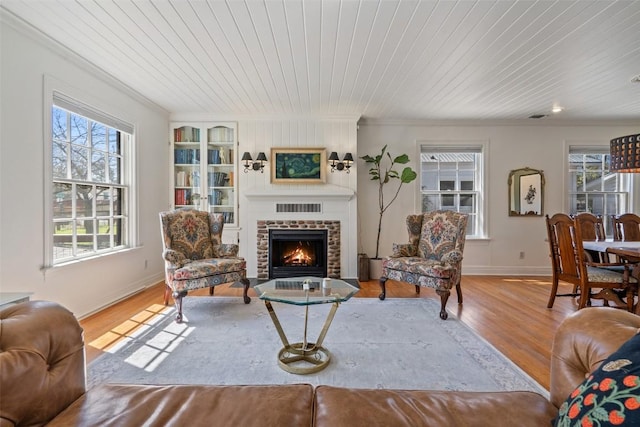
(383, 60)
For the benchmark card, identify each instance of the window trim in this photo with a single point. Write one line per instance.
(482, 232)
(55, 89)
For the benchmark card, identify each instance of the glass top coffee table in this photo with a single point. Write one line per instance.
(304, 357)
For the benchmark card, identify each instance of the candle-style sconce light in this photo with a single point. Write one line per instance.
(335, 163)
(258, 165)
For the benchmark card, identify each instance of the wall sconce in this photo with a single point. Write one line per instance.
(625, 154)
(258, 165)
(340, 165)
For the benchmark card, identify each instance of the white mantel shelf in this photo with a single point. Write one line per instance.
(332, 192)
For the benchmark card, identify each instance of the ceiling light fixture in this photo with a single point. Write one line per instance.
(625, 154)
(556, 109)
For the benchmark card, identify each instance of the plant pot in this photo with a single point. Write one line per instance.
(375, 268)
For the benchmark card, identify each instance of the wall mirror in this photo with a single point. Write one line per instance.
(526, 192)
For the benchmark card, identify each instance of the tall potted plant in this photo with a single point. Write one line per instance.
(381, 169)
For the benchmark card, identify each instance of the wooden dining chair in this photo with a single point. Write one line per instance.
(570, 265)
(592, 229)
(564, 268)
(626, 227)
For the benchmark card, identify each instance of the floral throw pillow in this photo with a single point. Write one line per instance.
(610, 396)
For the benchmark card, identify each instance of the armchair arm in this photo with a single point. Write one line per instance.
(452, 257)
(228, 250)
(174, 257)
(404, 250)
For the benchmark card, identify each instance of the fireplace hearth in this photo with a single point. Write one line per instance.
(297, 252)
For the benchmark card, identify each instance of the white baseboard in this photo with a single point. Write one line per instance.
(482, 270)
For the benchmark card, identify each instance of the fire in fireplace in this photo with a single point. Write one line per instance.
(297, 253)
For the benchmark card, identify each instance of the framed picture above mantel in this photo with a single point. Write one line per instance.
(293, 165)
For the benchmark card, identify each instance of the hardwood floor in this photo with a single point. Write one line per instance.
(509, 312)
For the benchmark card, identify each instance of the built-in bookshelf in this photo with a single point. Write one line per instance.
(203, 167)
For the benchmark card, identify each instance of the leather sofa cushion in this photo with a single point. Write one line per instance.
(191, 405)
(335, 407)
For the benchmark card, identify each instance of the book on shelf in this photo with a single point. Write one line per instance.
(220, 134)
(186, 134)
(186, 156)
(181, 179)
(213, 156)
(215, 197)
(182, 196)
(216, 179)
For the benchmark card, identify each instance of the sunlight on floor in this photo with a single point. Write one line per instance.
(154, 349)
(541, 281)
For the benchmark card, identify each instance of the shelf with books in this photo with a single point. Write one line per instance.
(204, 163)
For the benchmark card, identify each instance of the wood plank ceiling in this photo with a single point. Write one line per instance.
(382, 60)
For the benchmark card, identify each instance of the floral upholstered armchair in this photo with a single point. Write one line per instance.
(433, 256)
(195, 256)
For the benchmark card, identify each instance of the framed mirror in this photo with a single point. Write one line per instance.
(526, 192)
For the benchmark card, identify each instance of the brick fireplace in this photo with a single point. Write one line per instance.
(333, 243)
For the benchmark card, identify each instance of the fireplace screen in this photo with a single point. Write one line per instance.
(297, 253)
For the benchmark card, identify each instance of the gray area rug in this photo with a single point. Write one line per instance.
(395, 344)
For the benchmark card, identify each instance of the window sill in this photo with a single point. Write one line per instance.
(76, 261)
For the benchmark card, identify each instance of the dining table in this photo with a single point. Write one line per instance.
(629, 251)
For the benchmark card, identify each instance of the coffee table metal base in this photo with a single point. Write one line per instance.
(315, 358)
(303, 357)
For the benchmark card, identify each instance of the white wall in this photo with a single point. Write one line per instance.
(86, 286)
(540, 146)
(335, 133)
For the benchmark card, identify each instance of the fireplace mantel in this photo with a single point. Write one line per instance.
(325, 192)
(325, 206)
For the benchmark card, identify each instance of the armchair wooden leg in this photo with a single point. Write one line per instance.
(418, 289)
(211, 290)
(444, 296)
(459, 292)
(246, 297)
(167, 293)
(382, 282)
(177, 297)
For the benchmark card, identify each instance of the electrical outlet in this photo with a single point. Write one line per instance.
(522, 255)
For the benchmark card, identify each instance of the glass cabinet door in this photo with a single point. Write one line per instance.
(204, 168)
(221, 195)
(186, 166)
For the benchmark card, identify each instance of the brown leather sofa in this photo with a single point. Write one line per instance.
(42, 381)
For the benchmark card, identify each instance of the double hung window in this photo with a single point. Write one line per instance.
(90, 183)
(451, 179)
(593, 187)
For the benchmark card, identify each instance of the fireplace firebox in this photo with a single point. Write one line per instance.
(297, 253)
